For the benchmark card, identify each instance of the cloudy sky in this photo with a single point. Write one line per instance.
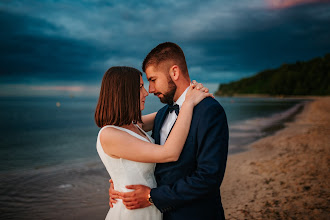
(65, 45)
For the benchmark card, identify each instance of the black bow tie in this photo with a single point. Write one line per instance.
(175, 108)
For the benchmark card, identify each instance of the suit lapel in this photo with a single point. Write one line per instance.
(159, 122)
(171, 130)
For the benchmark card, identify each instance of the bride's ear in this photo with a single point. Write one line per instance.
(175, 72)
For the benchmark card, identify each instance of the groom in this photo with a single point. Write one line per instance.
(190, 187)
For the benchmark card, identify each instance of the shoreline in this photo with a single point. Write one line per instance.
(272, 96)
(283, 176)
(263, 126)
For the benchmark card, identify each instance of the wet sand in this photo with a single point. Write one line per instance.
(283, 176)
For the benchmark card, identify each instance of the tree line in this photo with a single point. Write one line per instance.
(301, 78)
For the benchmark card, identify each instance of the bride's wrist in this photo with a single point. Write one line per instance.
(188, 104)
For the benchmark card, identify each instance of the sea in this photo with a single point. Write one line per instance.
(49, 166)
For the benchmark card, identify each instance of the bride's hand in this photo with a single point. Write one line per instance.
(194, 95)
(199, 86)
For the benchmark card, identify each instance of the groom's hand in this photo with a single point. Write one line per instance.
(137, 198)
(113, 194)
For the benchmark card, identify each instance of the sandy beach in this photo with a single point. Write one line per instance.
(283, 176)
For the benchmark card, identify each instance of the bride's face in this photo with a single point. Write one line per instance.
(143, 94)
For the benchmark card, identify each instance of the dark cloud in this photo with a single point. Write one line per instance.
(265, 39)
(223, 40)
(27, 51)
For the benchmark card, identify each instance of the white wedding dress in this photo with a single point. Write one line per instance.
(126, 172)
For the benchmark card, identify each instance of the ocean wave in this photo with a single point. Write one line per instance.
(261, 123)
(245, 132)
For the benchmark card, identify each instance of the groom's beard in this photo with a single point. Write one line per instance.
(168, 97)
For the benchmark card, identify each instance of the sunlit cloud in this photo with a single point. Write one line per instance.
(280, 4)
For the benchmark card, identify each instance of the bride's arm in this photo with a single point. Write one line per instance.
(121, 144)
(148, 121)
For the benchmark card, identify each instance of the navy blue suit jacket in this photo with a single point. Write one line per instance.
(190, 187)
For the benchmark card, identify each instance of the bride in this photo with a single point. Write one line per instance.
(126, 150)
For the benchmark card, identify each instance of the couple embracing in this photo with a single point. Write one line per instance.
(176, 173)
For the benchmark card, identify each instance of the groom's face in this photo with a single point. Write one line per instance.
(160, 83)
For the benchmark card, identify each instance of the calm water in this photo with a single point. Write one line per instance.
(49, 166)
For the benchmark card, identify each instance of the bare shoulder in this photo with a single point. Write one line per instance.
(110, 135)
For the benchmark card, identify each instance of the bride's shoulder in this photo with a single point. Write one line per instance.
(110, 129)
(110, 133)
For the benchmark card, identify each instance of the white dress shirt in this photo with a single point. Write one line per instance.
(171, 118)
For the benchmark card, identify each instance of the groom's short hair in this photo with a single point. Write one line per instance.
(167, 51)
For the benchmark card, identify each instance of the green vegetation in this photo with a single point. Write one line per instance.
(302, 78)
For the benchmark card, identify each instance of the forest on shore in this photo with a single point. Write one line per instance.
(299, 79)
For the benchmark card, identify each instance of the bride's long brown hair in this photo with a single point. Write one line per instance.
(119, 101)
